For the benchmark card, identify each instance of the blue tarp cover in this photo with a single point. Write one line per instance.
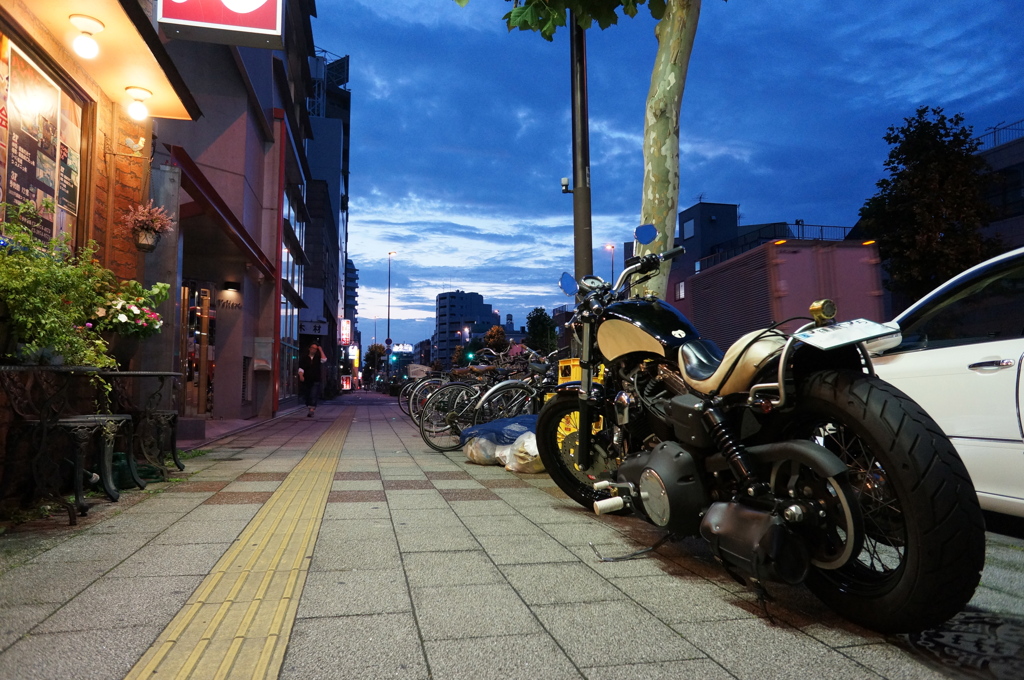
(501, 432)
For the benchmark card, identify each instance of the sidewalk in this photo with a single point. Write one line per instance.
(341, 546)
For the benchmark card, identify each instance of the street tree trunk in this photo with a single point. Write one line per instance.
(675, 33)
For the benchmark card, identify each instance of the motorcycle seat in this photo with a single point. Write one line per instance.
(704, 373)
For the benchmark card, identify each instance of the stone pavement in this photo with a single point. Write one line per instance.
(343, 547)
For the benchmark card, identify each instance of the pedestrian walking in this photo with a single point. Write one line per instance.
(311, 373)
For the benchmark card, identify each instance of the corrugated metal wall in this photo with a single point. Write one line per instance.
(732, 298)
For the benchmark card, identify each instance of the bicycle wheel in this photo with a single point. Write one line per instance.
(420, 394)
(403, 395)
(507, 402)
(446, 414)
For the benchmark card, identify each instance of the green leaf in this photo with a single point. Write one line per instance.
(657, 8)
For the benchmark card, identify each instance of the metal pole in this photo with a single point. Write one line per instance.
(581, 217)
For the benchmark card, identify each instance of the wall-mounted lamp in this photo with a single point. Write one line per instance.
(868, 243)
(137, 109)
(85, 45)
(232, 285)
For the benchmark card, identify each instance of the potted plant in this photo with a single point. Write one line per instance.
(49, 294)
(128, 314)
(146, 223)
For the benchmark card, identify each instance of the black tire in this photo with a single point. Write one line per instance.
(557, 433)
(446, 414)
(924, 535)
(419, 396)
(403, 395)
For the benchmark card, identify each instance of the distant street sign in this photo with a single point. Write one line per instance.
(388, 341)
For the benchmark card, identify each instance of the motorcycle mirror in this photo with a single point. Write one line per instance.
(568, 284)
(645, 233)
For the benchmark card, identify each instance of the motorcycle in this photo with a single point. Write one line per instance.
(787, 454)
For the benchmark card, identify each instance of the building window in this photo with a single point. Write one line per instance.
(681, 290)
(687, 229)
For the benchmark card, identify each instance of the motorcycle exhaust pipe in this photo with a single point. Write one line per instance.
(607, 505)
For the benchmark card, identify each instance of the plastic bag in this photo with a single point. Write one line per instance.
(523, 456)
(504, 431)
(480, 451)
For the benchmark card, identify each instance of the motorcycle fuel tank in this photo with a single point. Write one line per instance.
(650, 326)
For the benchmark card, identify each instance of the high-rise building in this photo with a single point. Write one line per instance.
(460, 317)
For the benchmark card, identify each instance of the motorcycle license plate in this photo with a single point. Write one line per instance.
(845, 333)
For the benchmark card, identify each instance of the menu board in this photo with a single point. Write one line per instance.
(40, 142)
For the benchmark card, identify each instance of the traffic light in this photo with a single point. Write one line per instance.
(470, 356)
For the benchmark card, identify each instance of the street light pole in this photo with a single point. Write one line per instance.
(387, 341)
(611, 247)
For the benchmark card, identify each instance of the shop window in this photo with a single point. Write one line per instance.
(41, 144)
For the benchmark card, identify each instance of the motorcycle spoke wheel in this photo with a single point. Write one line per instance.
(446, 414)
(558, 432)
(922, 543)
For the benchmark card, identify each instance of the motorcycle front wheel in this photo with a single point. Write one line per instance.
(558, 432)
(923, 543)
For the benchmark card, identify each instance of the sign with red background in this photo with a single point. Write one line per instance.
(248, 16)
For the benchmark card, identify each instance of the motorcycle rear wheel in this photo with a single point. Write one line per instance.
(557, 443)
(924, 535)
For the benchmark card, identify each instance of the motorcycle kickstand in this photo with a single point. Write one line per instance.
(763, 597)
(632, 555)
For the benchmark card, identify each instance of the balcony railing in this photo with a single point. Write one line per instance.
(778, 231)
(1001, 135)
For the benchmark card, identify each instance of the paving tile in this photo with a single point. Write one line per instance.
(93, 547)
(46, 582)
(358, 485)
(518, 549)
(501, 525)
(356, 647)
(398, 500)
(480, 494)
(620, 629)
(17, 620)
(356, 510)
(354, 476)
(427, 538)
(171, 560)
(445, 474)
(348, 593)
(503, 483)
(406, 484)
(187, 532)
(675, 599)
(215, 512)
(745, 647)
(199, 486)
(238, 498)
(893, 663)
(447, 484)
(429, 516)
(122, 603)
(705, 669)
(365, 496)
(576, 533)
(482, 508)
(525, 657)
(80, 654)
(262, 477)
(559, 583)
(453, 613)
(437, 569)
(136, 523)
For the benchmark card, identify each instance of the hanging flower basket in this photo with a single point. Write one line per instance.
(146, 223)
(146, 240)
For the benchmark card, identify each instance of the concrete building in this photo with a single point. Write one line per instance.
(1003, 150)
(460, 316)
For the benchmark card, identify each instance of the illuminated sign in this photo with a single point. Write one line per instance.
(345, 332)
(402, 348)
(254, 23)
(346, 382)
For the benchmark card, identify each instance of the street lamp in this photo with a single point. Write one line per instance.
(387, 341)
(611, 247)
(467, 335)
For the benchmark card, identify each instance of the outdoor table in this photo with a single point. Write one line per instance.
(155, 428)
(41, 400)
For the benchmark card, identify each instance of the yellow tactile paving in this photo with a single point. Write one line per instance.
(237, 623)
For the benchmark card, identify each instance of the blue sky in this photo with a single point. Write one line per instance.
(461, 130)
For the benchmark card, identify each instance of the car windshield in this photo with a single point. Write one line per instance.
(984, 308)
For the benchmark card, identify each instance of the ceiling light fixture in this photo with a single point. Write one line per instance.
(85, 45)
(137, 110)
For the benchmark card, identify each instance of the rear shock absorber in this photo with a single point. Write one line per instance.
(734, 451)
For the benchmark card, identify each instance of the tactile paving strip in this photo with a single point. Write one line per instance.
(237, 623)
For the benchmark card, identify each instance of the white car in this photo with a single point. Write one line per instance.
(960, 358)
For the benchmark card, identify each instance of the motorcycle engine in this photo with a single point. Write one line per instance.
(672, 493)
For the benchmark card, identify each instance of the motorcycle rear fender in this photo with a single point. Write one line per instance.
(805, 360)
(816, 457)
